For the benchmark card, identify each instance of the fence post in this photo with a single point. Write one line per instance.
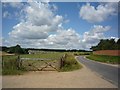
(18, 62)
(2, 63)
(61, 62)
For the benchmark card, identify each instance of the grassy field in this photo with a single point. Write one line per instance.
(54, 56)
(105, 58)
(9, 66)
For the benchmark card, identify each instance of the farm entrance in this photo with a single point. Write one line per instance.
(39, 64)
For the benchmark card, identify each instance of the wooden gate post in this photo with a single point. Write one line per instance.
(18, 62)
(2, 63)
(60, 63)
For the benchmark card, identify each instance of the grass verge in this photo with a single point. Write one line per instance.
(9, 66)
(105, 58)
(70, 63)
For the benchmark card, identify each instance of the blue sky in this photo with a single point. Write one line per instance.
(71, 9)
(58, 24)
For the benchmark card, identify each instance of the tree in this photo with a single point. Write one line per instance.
(118, 44)
(16, 49)
(94, 48)
(106, 44)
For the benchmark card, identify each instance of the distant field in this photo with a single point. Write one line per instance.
(105, 58)
(54, 56)
(4, 53)
(82, 53)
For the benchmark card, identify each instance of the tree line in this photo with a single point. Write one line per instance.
(14, 49)
(18, 50)
(107, 44)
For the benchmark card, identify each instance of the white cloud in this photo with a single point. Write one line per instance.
(16, 4)
(93, 36)
(65, 38)
(42, 28)
(39, 27)
(38, 23)
(115, 38)
(27, 31)
(45, 1)
(10, 0)
(98, 14)
(4, 42)
(6, 14)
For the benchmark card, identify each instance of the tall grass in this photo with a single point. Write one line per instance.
(9, 66)
(70, 63)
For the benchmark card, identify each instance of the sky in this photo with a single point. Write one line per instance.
(58, 25)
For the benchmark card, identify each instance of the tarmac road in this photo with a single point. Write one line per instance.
(107, 72)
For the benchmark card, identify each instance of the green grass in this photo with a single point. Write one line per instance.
(70, 63)
(105, 58)
(10, 67)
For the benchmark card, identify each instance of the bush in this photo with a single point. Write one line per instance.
(70, 60)
(17, 50)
